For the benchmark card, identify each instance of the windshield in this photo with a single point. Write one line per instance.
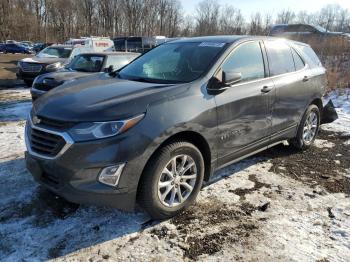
(173, 62)
(60, 52)
(86, 63)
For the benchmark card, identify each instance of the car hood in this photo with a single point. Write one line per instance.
(64, 75)
(101, 98)
(43, 60)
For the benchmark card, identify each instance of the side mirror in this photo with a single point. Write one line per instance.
(222, 81)
(109, 69)
(231, 77)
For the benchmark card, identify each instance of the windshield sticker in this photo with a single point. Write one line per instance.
(211, 44)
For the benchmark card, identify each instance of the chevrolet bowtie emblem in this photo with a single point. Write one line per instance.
(36, 120)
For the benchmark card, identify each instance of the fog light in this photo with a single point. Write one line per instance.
(110, 175)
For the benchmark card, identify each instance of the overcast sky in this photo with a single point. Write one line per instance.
(272, 6)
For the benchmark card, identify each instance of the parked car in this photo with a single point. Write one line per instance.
(40, 46)
(156, 129)
(48, 60)
(27, 43)
(2, 47)
(55, 57)
(302, 30)
(81, 66)
(16, 48)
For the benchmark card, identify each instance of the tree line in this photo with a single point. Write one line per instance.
(59, 20)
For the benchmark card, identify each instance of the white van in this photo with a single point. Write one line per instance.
(91, 44)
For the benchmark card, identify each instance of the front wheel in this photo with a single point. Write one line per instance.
(308, 128)
(172, 180)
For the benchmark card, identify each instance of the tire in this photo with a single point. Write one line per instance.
(302, 141)
(28, 83)
(150, 191)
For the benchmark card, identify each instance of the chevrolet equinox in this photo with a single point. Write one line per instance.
(152, 132)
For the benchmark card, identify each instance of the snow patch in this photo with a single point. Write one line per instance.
(320, 143)
(341, 103)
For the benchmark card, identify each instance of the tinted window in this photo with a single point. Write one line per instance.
(87, 63)
(173, 62)
(117, 61)
(299, 63)
(278, 29)
(246, 59)
(280, 58)
(307, 50)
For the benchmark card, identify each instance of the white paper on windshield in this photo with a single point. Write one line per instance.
(211, 44)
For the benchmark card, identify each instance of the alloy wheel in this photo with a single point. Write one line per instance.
(310, 127)
(177, 180)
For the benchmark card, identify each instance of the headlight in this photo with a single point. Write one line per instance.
(97, 130)
(19, 64)
(54, 66)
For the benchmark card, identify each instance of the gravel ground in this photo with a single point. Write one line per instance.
(279, 205)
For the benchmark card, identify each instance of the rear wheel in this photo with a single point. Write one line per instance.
(172, 180)
(308, 128)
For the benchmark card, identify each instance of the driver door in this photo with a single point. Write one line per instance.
(244, 108)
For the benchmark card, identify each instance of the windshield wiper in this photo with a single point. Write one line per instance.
(144, 79)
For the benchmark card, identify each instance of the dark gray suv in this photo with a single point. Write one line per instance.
(152, 132)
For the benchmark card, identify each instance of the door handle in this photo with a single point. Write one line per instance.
(266, 89)
(305, 79)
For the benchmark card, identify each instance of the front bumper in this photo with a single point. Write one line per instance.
(28, 75)
(74, 173)
(78, 186)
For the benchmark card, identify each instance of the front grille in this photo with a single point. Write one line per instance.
(61, 125)
(45, 143)
(47, 84)
(31, 67)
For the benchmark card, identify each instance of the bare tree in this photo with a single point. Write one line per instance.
(231, 21)
(207, 15)
(255, 27)
(285, 17)
(58, 20)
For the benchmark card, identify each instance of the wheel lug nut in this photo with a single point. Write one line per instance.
(172, 183)
(181, 180)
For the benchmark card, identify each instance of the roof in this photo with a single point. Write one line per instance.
(111, 53)
(63, 46)
(220, 38)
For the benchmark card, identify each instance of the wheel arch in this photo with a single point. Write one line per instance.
(318, 103)
(186, 136)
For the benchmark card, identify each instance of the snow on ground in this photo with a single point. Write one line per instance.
(279, 205)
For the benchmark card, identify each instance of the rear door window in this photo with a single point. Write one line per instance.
(299, 63)
(246, 59)
(280, 58)
(309, 53)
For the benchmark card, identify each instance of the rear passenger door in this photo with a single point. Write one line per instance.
(290, 76)
(244, 109)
